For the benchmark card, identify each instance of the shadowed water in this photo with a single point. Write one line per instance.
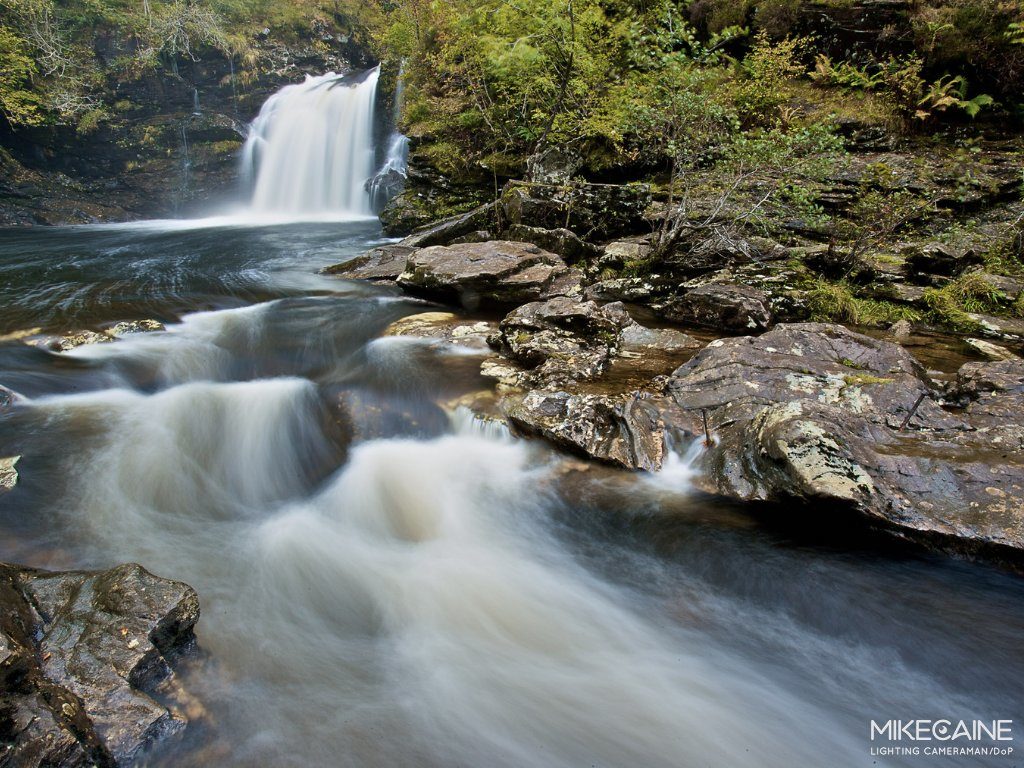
(387, 583)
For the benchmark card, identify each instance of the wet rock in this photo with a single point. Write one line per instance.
(129, 327)
(8, 473)
(901, 329)
(384, 263)
(821, 414)
(722, 307)
(8, 398)
(68, 341)
(80, 655)
(495, 273)
(444, 326)
(621, 430)
(559, 340)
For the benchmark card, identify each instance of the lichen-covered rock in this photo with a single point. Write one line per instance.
(560, 340)
(68, 341)
(817, 412)
(723, 307)
(621, 430)
(496, 273)
(8, 473)
(593, 211)
(79, 654)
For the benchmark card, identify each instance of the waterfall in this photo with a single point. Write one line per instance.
(390, 178)
(310, 150)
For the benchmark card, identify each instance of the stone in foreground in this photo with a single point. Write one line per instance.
(80, 655)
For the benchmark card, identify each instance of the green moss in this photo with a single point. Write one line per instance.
(864, 379)
(969, 294)
(836, 302)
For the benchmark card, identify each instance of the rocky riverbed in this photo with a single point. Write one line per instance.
(807, 414)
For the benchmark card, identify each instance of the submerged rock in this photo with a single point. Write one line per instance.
(495, 273)
(68, 341)
(81, 654)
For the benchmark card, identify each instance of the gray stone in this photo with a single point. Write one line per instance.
(620, 430)
(496, 273)
(80, 653)
(723, 307)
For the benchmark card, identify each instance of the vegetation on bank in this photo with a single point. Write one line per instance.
(741, 114)
(62, 58)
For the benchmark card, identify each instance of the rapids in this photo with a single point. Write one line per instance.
(388, 582)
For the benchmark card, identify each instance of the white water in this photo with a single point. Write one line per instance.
(415, 603)
(310, 152)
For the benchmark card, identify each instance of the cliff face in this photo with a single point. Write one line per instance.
(170, 147)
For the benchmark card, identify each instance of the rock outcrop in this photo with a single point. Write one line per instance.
(819, 413)
(86, 661)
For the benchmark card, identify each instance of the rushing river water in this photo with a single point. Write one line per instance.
(385, 584)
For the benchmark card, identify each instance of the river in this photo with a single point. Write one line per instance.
(386, 583)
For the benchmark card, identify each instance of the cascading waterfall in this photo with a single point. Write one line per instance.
(311, 151)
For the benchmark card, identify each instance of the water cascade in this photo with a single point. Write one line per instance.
(311, 151)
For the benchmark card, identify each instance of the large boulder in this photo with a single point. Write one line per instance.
(80, 654)
(824, 415)
(491, 274)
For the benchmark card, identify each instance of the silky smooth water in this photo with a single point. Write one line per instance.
(385, 582)
(311, 148)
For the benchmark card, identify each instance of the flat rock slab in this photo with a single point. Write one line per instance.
(496, 273)
(79, 652)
